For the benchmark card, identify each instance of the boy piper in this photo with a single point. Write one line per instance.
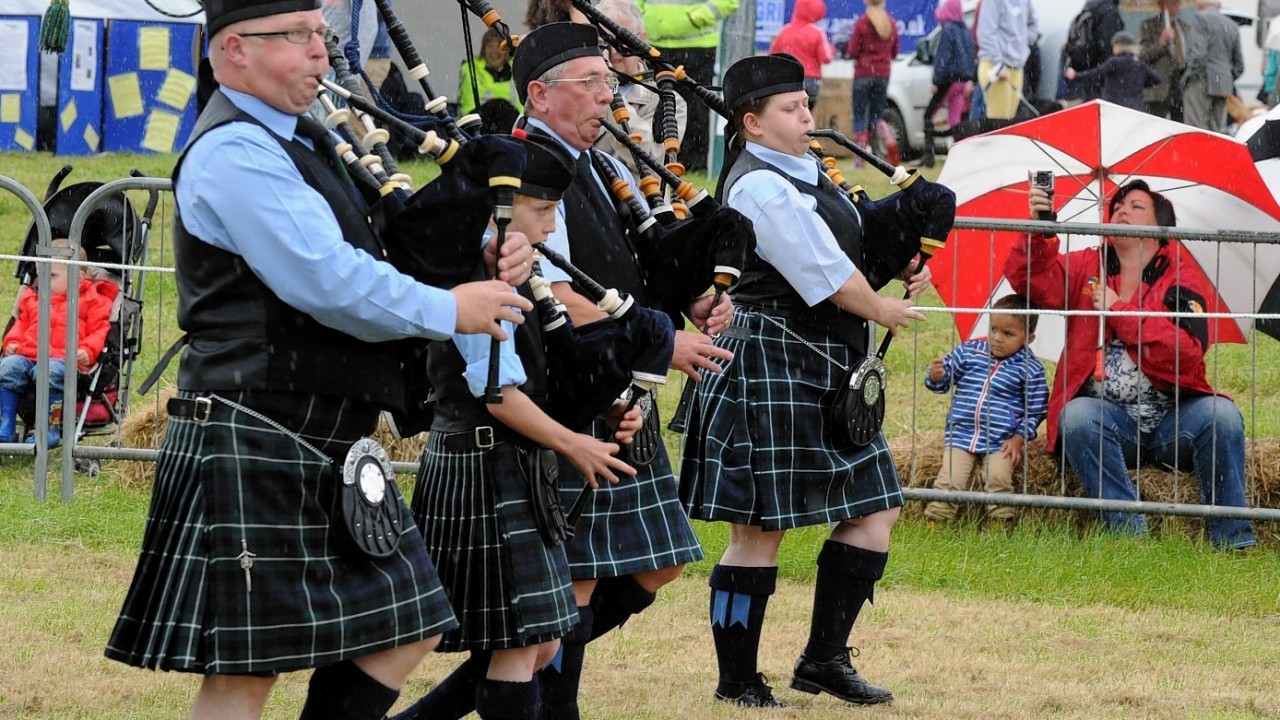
(247, 568)
(507, 579)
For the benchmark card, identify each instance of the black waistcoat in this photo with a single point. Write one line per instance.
(764, 287)
(456, 409)
(243, 336)
(601, 243)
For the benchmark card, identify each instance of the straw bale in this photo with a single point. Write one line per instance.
(918, 457)
(144, 428)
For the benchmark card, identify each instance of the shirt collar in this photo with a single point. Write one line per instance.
(535, 122)
(280, 123)
(804, 169)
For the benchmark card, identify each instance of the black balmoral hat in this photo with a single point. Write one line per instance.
(549, 46)
(761, 76)
(548, 168)
(221, 13)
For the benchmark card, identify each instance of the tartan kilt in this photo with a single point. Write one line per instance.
(509, 588)
(635, 526)
(759, 450)
(311, 599)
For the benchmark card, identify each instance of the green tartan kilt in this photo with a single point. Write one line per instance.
(235, 485)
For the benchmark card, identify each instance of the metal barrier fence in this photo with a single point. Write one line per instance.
(74, 450)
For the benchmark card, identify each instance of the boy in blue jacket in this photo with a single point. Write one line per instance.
(1000, 399)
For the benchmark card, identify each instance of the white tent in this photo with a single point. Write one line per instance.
(113, 9)
(99, 10)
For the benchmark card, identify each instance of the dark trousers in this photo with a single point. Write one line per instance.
(1170, 107)
(926, 157)
(700, 64)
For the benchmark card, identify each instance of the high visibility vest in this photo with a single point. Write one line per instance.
(685, 23)
(489, 88)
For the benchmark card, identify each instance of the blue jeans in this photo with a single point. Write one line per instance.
(1101, 441)
(870, 95)
(17, 372)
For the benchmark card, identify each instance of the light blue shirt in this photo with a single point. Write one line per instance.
(790, 235)
(475, 350)
(1006, 31)
(558, 239)
(240, 192)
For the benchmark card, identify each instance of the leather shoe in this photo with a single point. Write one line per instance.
(837, 677)
(757, 695)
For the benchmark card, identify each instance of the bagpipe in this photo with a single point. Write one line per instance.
(640, 343)
(434, 235)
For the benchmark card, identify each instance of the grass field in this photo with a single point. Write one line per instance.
(1050, 621)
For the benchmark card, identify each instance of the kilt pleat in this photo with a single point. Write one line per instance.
(759, 450)
(236, 484)
(508, 587)
(635, 526)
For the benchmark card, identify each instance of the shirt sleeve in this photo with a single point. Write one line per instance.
(240, 192)
(475, 351)
(790, 236)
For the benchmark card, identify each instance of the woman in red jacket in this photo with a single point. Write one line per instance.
(1154, 403)
(872, 46)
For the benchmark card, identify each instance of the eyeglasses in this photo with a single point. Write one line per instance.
(297, 36)
(592, 84)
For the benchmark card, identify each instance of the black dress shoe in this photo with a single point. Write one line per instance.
(756, 695)
(837, 677)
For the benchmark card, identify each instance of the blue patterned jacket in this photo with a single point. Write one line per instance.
(994, 399)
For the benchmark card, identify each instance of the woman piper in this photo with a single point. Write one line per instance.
(760, 453)
(475, 497)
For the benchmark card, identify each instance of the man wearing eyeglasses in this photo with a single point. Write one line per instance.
(248, 567)
(634, 536)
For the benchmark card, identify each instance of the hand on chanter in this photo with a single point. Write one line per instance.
(896, 313)
(627, 425)
(517, 258)
(711, 320)
(594, 458)
(694, 351)
(916, 278)
(481, 305)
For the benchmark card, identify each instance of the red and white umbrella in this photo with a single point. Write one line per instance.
(1092, 149)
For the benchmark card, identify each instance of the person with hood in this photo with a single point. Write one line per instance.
(803, 40)
(21, 344)
(953, 72)
(872, 46)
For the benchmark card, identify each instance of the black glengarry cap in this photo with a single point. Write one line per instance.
(221, 13)
(549, 46)
(760, 76)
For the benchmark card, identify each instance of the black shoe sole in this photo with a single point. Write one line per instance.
(813, 688)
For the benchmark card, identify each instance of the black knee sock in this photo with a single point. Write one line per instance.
(739, 596)
(559, 679)
(615, 600)
(847, 578)
(453, 697)
(504, 700)
(343, 691)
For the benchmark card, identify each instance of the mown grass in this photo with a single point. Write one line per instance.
(1049, 621)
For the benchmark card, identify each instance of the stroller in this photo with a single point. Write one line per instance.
(113, 234)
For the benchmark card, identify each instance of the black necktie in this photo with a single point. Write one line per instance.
(322, 143)
(584, 164)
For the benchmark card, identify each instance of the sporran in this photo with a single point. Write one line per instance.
(368, 500)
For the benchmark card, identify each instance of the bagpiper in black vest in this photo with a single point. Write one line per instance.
(762, 286)
(242, 336)
(600, 240)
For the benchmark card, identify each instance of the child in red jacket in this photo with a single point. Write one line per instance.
(21, 343)
(806, 42)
